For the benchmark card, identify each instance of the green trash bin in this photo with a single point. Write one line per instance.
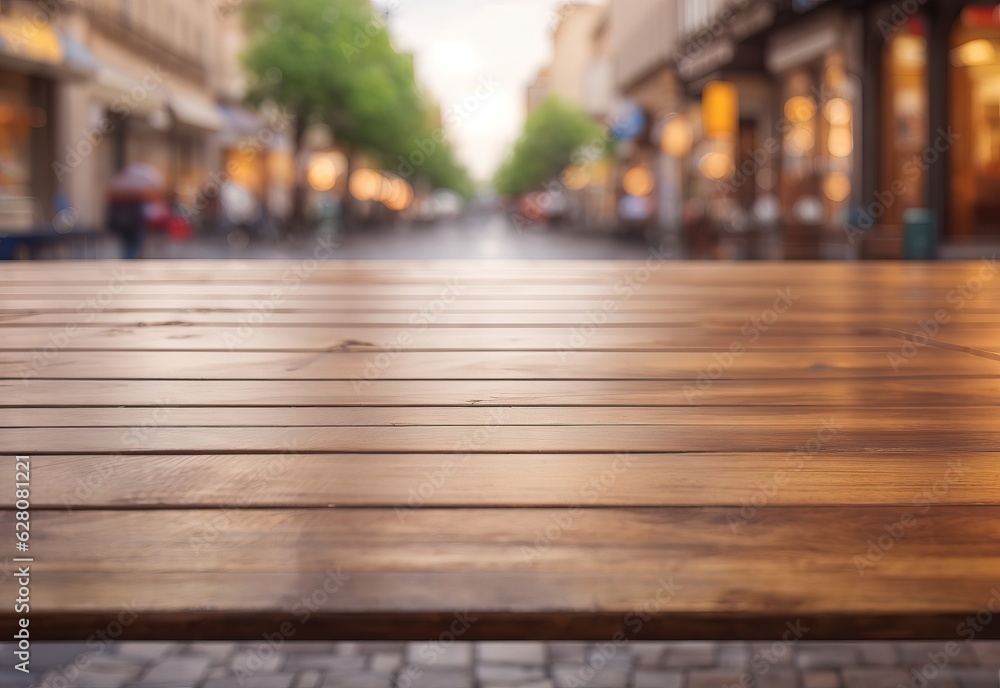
(919, 234)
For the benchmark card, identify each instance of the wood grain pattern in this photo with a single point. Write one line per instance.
(402, 364)
(294, 479)
(542, 448)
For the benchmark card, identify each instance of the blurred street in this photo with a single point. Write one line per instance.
(478, 237)
(763, 130)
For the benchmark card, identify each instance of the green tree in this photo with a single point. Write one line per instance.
(552, 133)
(441, 170)
(331, 62)
(430, 160)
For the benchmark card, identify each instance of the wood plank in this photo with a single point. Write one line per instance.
(212, 484)
(491, 365)
(418, 338)
(741, 305)
(825, 321)
(403, 482)
(492, 437)
(232, 571)
(931, 418)
(833, 393)
(448, 290)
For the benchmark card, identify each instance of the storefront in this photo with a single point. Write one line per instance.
(196, 120)
(33, 59)
(749, 171)
(818, 91)
(974, 97)
(937, 130)
(257, 157)
(148, 117)
(904, 123)
(26, 191)
(128, 120)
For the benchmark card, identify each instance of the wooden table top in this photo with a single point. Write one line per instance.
(504, 450)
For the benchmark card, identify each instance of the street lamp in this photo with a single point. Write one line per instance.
(677, 137)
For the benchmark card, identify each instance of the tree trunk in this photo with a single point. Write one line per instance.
(298, 218)
(348, 206)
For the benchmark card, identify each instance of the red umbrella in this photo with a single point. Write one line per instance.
(140, 180)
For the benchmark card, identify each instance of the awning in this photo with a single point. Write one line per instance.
(242, 121)
(78, 58)
(240, 124)
(124, 91)
(34, 47)
(195, 110)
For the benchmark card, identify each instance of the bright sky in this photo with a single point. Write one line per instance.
(464, 46)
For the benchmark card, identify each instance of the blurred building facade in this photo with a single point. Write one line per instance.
(37, 64)
(808, 128)
(90, 86)
(581, 73)
(570, 74)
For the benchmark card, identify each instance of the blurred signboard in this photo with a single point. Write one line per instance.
(27, 39)
(628, 121)
(706, 60)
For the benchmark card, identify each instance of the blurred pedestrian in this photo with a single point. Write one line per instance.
(135, 196)
(127, 220)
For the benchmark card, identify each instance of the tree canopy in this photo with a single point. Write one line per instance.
(332, 62)
(552, 133)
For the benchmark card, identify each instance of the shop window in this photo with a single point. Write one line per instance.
(974, 173)
(799, 142)
(903, 173)
(836, 138)
(18, 192)
(817, 143)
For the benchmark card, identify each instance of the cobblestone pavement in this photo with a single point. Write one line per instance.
(508, 665)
